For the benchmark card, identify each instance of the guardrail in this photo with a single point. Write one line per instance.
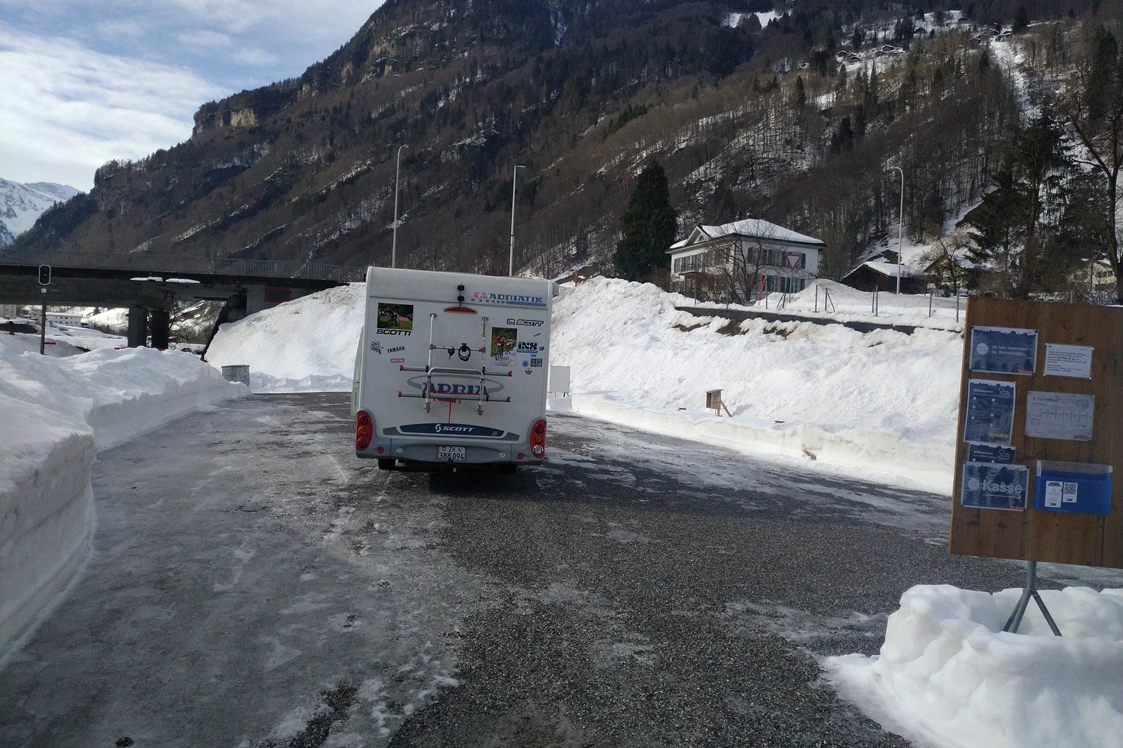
(170, 265)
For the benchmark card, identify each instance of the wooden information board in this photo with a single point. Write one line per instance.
(1033, 534)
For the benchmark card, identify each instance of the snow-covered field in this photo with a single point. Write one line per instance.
(56, 411)
(947, 676)
(883, 402)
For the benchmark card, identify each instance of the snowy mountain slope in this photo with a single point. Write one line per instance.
(22, 204)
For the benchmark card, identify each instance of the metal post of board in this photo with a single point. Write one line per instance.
(43, 324)
(931, 298)
(957, 305)
(1030, 591)
(816, 299)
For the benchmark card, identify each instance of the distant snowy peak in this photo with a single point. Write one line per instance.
(61, 191)
(22, 204)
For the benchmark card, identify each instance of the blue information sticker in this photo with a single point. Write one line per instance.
(991, 453)
(1003, 350)
(990, 486)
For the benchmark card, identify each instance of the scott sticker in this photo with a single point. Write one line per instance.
(525, 322)
(452, 429)
(395, 319)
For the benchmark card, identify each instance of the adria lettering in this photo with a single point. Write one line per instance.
(508, 299)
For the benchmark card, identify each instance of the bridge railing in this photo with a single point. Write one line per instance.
(169, 265)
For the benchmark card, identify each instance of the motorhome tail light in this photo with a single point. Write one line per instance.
(538, 439)
(364, 430)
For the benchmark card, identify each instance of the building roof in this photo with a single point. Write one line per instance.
(888, 269)
(749, 228)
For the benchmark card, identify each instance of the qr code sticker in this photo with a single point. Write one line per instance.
(535, 363)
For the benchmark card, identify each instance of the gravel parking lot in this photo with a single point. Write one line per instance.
(253, 584)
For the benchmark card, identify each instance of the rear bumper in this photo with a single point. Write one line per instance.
(424, 452)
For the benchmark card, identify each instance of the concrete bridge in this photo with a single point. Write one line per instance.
(149, 285)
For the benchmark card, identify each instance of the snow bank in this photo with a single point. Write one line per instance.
(55, 413)
(947, 676)
(304, 345)
(881, 401)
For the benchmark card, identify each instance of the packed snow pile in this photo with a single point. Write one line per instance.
(948, 676)
(883, 401)
(304, 345)
(54, 414)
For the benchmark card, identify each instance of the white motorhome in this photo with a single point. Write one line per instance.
(451, 370)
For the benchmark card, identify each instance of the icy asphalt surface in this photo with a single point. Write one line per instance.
(255, 585)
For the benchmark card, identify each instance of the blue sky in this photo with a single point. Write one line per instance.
(83, 82)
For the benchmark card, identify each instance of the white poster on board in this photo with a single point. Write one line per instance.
(1068, 361)
(1055, 415)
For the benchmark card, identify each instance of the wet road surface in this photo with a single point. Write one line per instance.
(255, 585)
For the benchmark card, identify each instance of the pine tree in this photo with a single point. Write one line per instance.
(1093, 112)
(1017, 227)
(649, 226)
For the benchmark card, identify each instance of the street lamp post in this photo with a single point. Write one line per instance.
(514, 182)
(397, 175)
(900, 228)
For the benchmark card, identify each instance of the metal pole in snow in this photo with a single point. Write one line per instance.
(397, 175)
(43, 324)
(900, 228)
(514, 182)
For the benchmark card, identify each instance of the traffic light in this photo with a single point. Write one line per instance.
(44, 275)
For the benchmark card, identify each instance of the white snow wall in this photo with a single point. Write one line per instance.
(54, 416)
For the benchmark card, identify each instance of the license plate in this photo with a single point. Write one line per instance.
(456, 454)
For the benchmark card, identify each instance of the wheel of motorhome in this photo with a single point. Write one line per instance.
(451, 370)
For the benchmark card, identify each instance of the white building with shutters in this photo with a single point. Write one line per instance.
(742, 260)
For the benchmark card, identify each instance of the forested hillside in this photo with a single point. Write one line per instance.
(791, 114)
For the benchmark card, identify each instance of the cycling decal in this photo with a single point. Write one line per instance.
(395, 319)
(503, 343)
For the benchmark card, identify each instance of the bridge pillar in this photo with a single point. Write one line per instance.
(138, 327)
(158, 322)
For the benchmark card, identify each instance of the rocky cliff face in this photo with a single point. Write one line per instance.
(582, 92)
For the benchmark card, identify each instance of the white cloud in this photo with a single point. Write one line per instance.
(204, 38)
(67, 109)
(255, 57)
(122, 29)
(87, 81)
